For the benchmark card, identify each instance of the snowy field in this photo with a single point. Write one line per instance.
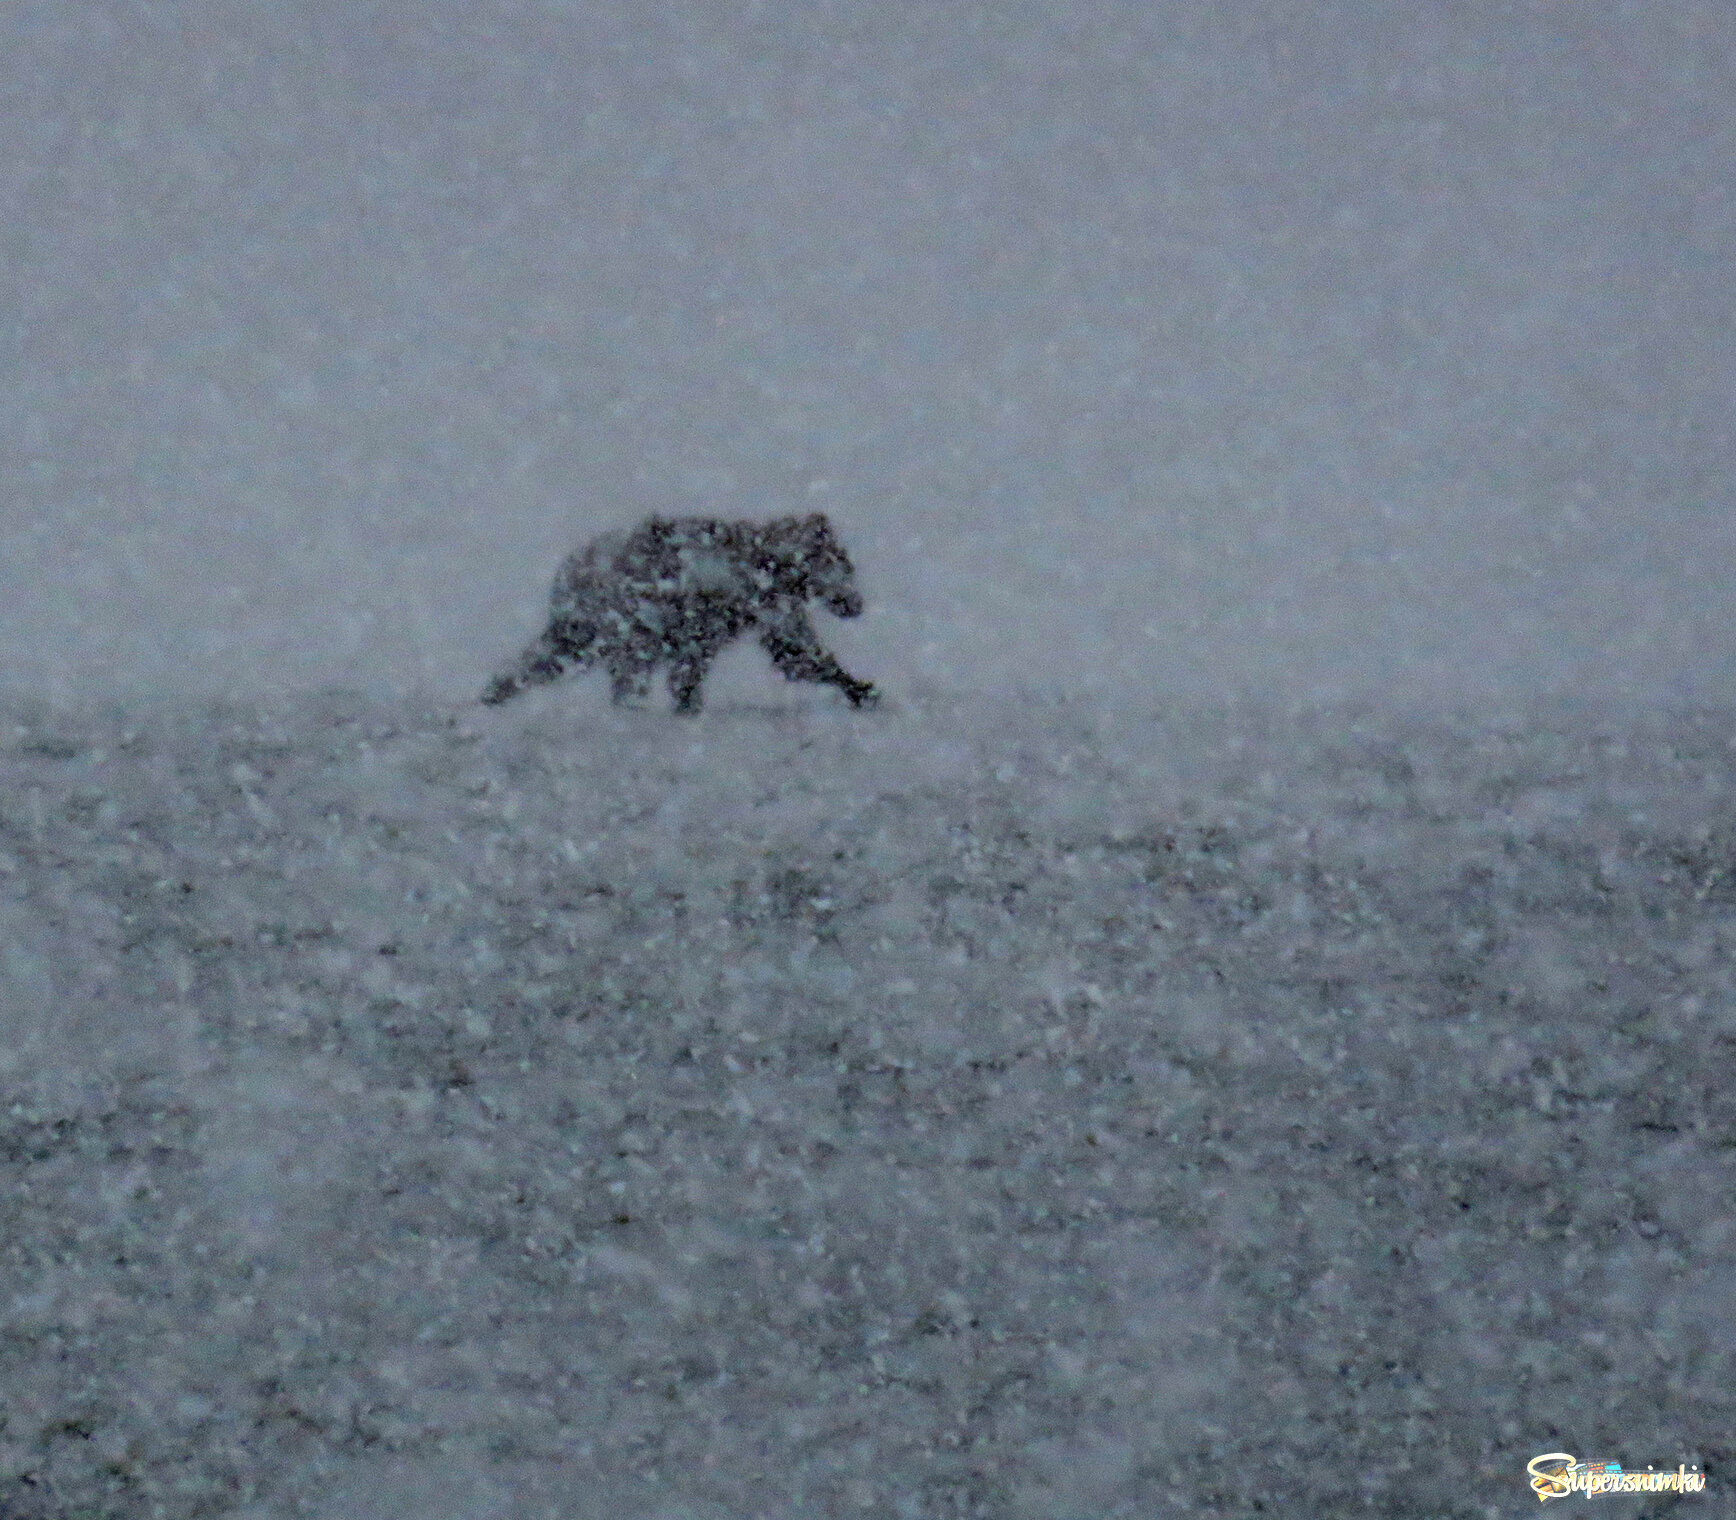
(956, 1110)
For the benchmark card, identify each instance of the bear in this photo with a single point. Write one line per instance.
(674, 591)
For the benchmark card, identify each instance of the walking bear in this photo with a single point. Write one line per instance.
(674, 591)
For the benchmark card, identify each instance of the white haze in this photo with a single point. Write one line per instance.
(1243, 1028)
(1304, 350)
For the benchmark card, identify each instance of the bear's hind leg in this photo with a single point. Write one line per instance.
(630, 680)
(687, 680)
(555, 652)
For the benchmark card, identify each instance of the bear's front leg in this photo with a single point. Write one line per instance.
(861, 693)
(796, 651)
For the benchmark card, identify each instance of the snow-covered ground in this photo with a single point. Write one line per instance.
(957, 1110)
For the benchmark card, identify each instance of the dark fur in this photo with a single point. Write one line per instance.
(675, 591)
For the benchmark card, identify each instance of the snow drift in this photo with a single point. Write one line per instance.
(411, 1112)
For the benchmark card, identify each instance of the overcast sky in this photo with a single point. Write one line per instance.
(1208, 346)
